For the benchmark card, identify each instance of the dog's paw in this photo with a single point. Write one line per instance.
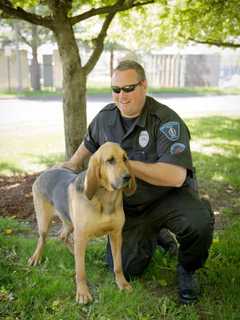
(34, 260)
(123, 284)
(83, 296)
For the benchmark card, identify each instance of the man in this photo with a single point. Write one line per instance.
(157, 143)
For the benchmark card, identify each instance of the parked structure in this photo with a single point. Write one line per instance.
(15, 73)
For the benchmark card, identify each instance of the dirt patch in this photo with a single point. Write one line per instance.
(16, 199)
(16, 196)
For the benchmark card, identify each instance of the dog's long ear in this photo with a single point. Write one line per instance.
(91, 182)
(132, 186)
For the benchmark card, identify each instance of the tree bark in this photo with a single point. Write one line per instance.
(74, 87)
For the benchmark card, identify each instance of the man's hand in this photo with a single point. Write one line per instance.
(71, 166)
(76, 163)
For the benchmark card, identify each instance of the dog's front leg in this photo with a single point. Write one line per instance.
(80, 244)
(116, 246)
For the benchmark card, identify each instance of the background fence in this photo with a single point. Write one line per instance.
(163, 70)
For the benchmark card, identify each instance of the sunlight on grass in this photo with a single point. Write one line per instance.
(30, 150)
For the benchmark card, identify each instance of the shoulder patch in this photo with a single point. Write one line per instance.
(177, 148)
(171, 130)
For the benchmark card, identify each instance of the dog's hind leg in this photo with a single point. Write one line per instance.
(44, 213)
(65, 233)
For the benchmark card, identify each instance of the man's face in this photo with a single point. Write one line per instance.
(131, 103)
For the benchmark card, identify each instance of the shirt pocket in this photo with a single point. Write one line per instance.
(143, 155)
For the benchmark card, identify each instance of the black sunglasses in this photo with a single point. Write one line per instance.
(129, 88)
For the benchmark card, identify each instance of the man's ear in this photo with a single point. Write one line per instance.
(145, 85)
(91, 182)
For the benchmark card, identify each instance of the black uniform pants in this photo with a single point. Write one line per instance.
(182, 212)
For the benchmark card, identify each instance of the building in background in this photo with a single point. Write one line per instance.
(171, 67)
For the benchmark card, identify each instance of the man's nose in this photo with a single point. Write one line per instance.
(122, 94)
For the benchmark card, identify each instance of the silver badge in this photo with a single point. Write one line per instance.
(143, 139)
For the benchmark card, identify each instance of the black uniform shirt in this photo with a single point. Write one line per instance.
(157, 135)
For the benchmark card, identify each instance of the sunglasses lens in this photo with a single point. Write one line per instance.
(129, 88)
(116, 89)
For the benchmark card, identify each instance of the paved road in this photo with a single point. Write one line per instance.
(22, 113)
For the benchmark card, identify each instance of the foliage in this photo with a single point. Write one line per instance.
(215, 21)
(141, 28)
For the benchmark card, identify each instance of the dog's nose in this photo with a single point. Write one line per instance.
(126, 178)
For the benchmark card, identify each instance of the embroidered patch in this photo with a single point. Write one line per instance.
(143, 139)
(171, 130)
(177, 148)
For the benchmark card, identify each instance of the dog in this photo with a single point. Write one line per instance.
(89, 204)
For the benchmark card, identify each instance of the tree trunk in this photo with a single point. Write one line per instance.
(35, 68)
(74, 87)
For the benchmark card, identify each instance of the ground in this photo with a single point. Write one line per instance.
(16, 199)
(16, 196)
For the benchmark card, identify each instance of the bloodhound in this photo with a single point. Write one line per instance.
(89, 205)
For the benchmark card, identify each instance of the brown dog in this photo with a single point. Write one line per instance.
(90, 205)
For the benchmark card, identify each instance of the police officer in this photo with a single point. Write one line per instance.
(156, 140)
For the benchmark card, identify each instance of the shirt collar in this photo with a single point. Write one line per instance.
(141, 120)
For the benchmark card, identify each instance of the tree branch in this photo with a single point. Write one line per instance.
(99, 44)
(216, 43)
(117, 7)
(8, 11)
(99, 41)
(23, 38)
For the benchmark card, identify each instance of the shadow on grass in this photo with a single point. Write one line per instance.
(48, 160)
(11, 168)
(43, 161)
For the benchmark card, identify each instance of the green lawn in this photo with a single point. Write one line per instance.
(48, 291)
(98, 90)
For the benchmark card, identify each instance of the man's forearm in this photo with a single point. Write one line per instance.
(159, 174)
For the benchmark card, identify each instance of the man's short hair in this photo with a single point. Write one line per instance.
(133, 65)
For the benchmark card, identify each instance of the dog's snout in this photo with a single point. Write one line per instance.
(126, 178)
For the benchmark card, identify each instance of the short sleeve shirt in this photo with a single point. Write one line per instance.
(158, 135)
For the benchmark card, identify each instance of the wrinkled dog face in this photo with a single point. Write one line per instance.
(114, 169)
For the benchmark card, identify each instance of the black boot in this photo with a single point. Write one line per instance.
(167, 241)
(187, 285)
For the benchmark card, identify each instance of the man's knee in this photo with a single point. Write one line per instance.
(206, 227)
(195, 239)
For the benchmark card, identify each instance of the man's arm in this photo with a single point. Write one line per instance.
(76, 163)
(159, 174)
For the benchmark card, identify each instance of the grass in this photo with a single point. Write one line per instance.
(48, 291)
(99, 90)
(22, 152)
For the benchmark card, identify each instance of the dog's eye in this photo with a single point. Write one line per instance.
(111, 160)
(124, 158)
